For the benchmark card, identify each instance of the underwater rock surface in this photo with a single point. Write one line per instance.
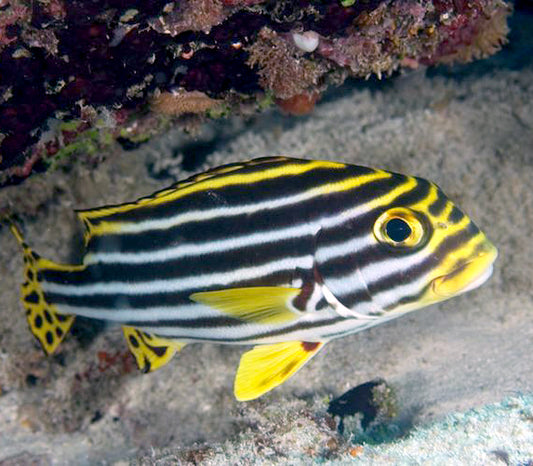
(78, 76)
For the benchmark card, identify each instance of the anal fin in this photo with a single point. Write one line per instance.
(150, 352)
(267, 366)
(259, 305)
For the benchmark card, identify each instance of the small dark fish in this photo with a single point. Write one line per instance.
(360, 399)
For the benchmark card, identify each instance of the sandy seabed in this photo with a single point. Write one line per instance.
(472, 134)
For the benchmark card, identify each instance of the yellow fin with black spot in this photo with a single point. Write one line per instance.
(267, 366)
(260, 305)
(150, 352)
(47, 324)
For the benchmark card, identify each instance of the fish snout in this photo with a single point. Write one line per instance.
(469, 274)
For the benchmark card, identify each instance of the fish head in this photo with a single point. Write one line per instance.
(426, 249)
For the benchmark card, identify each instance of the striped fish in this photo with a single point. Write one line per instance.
(281, 253)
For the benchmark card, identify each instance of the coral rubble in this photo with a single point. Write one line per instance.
(77, 75)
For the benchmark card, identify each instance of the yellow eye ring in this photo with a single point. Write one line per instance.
(401, 228)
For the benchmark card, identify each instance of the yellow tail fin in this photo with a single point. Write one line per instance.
(46, 324)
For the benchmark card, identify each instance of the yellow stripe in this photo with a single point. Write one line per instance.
(453, 257)
(350, 183)
(423, 205)
(440, 234)
(208, 184)
(345, 185)
(105, 227)
(446, 211)
(386, 199)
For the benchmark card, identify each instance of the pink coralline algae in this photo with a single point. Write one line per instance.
(78, 75)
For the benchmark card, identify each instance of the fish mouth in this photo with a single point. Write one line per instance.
(467, 276)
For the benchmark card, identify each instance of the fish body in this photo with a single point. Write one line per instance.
(285, 254)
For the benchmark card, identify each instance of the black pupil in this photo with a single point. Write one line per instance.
(398, 230)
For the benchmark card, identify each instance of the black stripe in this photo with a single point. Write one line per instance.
(232, 226)
(419, 193)
(437, 207)
(349, 230)
(408, 299)
(449, 244)
(456, 215)
(128, 302)
(256, 336)
(354, 298)
(215, 262)
(203, 322)
(259, 191)
(322, 304)
(347, 264)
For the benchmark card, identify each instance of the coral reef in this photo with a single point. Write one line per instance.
(128, 70)
(496, 433)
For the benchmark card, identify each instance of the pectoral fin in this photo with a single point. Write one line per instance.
(260, 305)
(150, 352)
(267, 366)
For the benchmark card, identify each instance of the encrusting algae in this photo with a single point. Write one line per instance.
(125, 69)
(284, 254)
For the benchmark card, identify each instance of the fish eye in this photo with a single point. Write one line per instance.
(400, 227)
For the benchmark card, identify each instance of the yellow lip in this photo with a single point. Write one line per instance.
(468, 276)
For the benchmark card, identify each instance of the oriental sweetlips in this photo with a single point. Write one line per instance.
(285, 254)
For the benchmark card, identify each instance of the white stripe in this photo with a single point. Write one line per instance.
(349, 247)
(313, 300)
(269, 236)
(393, 295)
(202, 215)
(378, 270)
(374, 272)
(252, 332)
(217, 279)
(354, 326)
(193, 249)
(180, 284)
(248, 331)
(194, 311)
(191, 311)
(208, 214)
